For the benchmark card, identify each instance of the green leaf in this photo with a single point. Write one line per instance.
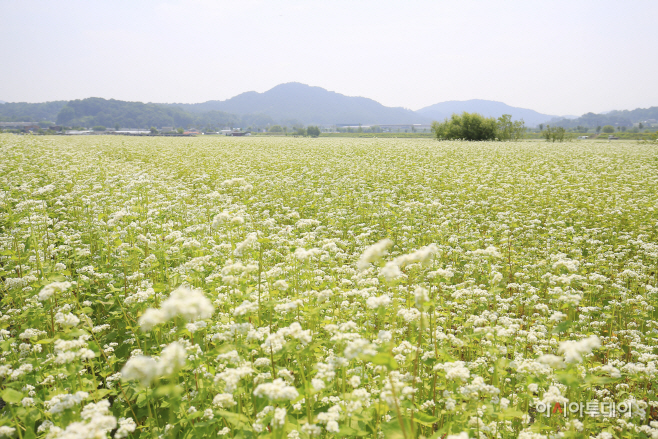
(141, 400)
(425, 419)
(568, 378)
(385, 359)
(562, 327)
(170, 390)
(512, 413)
(346, 431)
(11, 395)
(392, 430)
(234, 419)
(102, 392)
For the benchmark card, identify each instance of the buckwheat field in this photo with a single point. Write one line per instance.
(323, 288)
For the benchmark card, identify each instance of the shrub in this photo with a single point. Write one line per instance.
(466, 126)
(313, 131)
(555, 134)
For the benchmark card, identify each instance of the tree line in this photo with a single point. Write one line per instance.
(617, 118)
(92, 112)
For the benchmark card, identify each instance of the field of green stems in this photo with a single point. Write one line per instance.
(291, 288)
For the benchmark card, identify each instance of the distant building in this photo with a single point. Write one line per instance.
(413, 127)
(24, 126)
(132, 131)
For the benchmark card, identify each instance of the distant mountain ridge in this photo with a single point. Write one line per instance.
(288, 104)
(622, 118)
(301, 103)
(486, 108)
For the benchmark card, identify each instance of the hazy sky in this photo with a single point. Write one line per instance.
(556, 57)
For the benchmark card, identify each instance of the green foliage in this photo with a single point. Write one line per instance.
(111, 112)
(28, 112)
(313, 131)
(555, 134)
(507, 129)
(275, 129)
(99, 128)
(473, 126)
(301, 131)
(608, 129)
(592, 120)
(372, 288)
(466, 126)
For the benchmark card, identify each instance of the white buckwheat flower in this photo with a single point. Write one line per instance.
(277, 390)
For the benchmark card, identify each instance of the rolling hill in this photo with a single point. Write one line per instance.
(301, 103)
(444, 110)
(288, 104)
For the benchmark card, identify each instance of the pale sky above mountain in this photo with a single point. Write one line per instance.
(556, 57)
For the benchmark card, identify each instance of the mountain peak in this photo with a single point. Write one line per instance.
(306, 104)
(291, 86)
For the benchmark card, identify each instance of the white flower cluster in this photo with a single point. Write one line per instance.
(277, 390)
(190, 304)
(97, 423)
(392, 269)
(374, 253)
(274, 342)
(145, 369)
(53, 288)
(574, 350)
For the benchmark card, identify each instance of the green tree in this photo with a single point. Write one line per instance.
(276, 129)
(466, 126)
(541, 127)
(555, 134)
(117, 126)
(154, 130)
(313, 131)
(559, 134)
(301, 132)
(65, 115)
(608, 129)
(180, 130)
(99, 128)
(507, 129)
(598, 129)
(547, 133)
(640, 126)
